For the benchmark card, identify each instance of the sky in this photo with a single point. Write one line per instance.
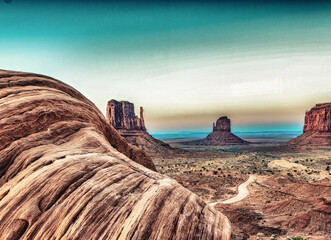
(261, 63)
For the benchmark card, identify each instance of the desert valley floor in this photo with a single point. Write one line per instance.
(288, 196)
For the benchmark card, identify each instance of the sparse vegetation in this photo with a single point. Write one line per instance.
(215, 178)
(296, 238)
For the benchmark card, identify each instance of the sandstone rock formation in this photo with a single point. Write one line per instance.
(317, 128)
(223, 124)
(221, 135)
(65, 174)
(121, 115)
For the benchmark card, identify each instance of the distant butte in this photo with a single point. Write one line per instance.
(221, 135)
(317, 128)
(121, 115)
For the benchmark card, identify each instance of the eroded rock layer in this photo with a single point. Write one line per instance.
(65, 174)
(221, 135)
(317, 128)
(151, 145)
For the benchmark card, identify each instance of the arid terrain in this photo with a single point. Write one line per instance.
(290, 196)
(270, 185)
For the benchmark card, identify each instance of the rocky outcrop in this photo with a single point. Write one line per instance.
(121, 115)
(317, 128)
(65, 174)
(151, 145)
(318, 119)
(223, 124)
(221, 135)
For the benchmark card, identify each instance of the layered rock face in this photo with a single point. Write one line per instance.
(318, 119)
(65, 173)
(221, 135)
(121, 115)
(317, 127)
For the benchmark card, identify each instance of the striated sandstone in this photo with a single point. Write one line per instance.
(65, 173)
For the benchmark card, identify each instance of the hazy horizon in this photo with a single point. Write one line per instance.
(261, 63)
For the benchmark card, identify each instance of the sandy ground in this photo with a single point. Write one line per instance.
(242, 192)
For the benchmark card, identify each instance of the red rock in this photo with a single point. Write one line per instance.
(318, 119)
(121, 115)
(65, 174)
(317, 128)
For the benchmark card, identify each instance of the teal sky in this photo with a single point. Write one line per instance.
(262, 63)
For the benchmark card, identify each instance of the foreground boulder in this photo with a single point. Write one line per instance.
(65, 173)
(121, 115)
(221, 135)
(317, 128)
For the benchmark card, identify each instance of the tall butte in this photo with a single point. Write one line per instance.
(121, 115)
(317, 128)
(221, 135)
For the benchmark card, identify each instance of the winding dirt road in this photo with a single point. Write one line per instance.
(242, 192)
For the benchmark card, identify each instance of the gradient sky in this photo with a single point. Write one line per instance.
(262, 63)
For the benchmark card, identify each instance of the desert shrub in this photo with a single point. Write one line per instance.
(260, 236)
(298, 238)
